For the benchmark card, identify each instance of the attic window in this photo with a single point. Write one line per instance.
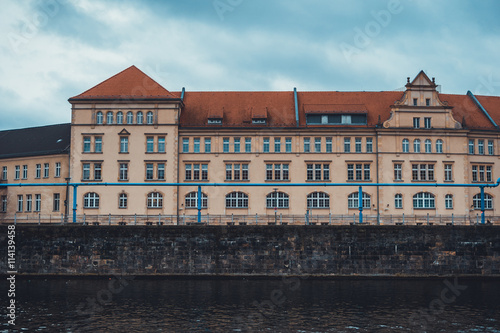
(415, 102)
(214, 121)
(427, 102)
(336, 119)
(261, 121)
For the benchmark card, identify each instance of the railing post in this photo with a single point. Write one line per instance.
(159, 218)
(199, 204)
(330, 218)
(74, 202)
(84, 218)
(360, 204)
(232, 218)
(256, 219)
(427, 218)
(15, 218)
(452, 219)
(403, 218)
(135, 219)
(39, 219)
(482, 204)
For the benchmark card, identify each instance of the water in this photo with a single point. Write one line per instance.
(291, 305)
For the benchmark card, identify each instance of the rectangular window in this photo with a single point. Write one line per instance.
(149, 171)
(97, 171)
(288, 145)
(277, 171)
(237, 172)
(196, 171)
(285, 173)
(265, 147)
(17, 172)
(474, 173)
(471, 146)
(350, 171)
(310, 172)
(123, 144)
(150, 144)
(269, 171)
(29, 201)
(248, 145)
(366, 171)
(236, 145)
(347, 145)
(318, 171)
(427, 122)
(326, 171)
(225, 145)
(25, 172)
(160, 171)
(208, 145)
(38, 202)
(204, 172)
(423, 172)
(229, 172)
(123, 171)
(415, 102)
(19, 203)
(329, 147)
(448, 174)
(357, 145)
(358, 171)
(161, 144)
(4, 173)
(307, 145)
(86, 171)
(58, 170)
(188, 172)
(4, 204)
(398, 171)
(277, 145)
(491, 150)
(480, 147)
(427, 102)
(488, 173)
(416, 122)
(46, 170)
(98, 144)
(86, 144)
(369, 145)
(244, 172)
(317, 145)
(185, 145)
(196, 145)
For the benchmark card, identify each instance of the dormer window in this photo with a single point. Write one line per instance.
(259, 121)
(214, 121)
(336, 119)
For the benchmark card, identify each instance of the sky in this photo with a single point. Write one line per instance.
(51, 50)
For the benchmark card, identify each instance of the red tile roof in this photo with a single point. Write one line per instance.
(464, 109)
(130, 83)
(335, 108)
(492, 105)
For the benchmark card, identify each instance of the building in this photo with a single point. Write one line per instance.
(129, 129)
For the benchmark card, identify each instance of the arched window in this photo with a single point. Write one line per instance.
(406, 146)
(281, 202)
(398, 201)
(119, 117)
(155, 200)
(488, 201)
(236, 200)
(99, 118)
(149, 118)
(139, 117)
(448, 201)
(192, 200)
(109, 117)
(130, 117)
(428, 146)
(416, 145)
(318, 200)
(122, 200)
(439, 146)
(353, 202)
(424, 200)
(91, 200)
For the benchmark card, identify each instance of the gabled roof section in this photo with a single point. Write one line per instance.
(421, 80)
(129, 84)
(35, 141)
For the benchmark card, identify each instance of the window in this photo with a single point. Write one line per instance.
(329, 147)
(208, 145)
(4, 204)
(416, 122)
(415, 102)
(109, 118)
(4, 173)
(318, 200)
(424, 200)
(119, 118)
(398, 171)
(97, 171)
(58, 170)
(155, 200)
(488, 201)
(86, 171)
(98, 144)
(214, 121)
(471, 146)
(29, 201)
(369, 145)
(17, 172)
(130, 117)
(336, 119)
(358, 171)
(149, 118)
(123, 173)
(122, 200)
(277, 200)
(491, 150)
(25, 172)
(427, 102)
(439, 146)
(185, 145)
(398, 201)
(357, 145)
(307, 145)
(237, 171)
(427, 122)
(406, 146)
(318, 171)
(99, 118)
(139, 118)
(353, 202)
(38, 171)
(86, 144)
(91, 200)
(196, 145)
(225, 145)
(123, 144)
(482, 173)
(480, 147)
(236, 145)
(160, 171)
(347, 145)
(428, 146)
(277, 145)
(248, 145)
(288, 145)
(317, 145)
(421, 172)
(46, 170)
(416, 145)
(192, 171)
(448, 172)
(448, 201)
(149, 171)
(281, 171)
(38, 202)
(161, 144)
(19, 203)
(191, 200)
(150, 144)
(265, 147)
(236, 200)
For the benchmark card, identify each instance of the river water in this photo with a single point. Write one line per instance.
(282, 305)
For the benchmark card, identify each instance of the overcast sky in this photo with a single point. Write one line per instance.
(52, 50)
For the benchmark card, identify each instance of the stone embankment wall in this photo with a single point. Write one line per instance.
(358, 250)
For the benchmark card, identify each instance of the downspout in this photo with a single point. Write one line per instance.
(296, 107)
(474, 99)
(178, 150)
